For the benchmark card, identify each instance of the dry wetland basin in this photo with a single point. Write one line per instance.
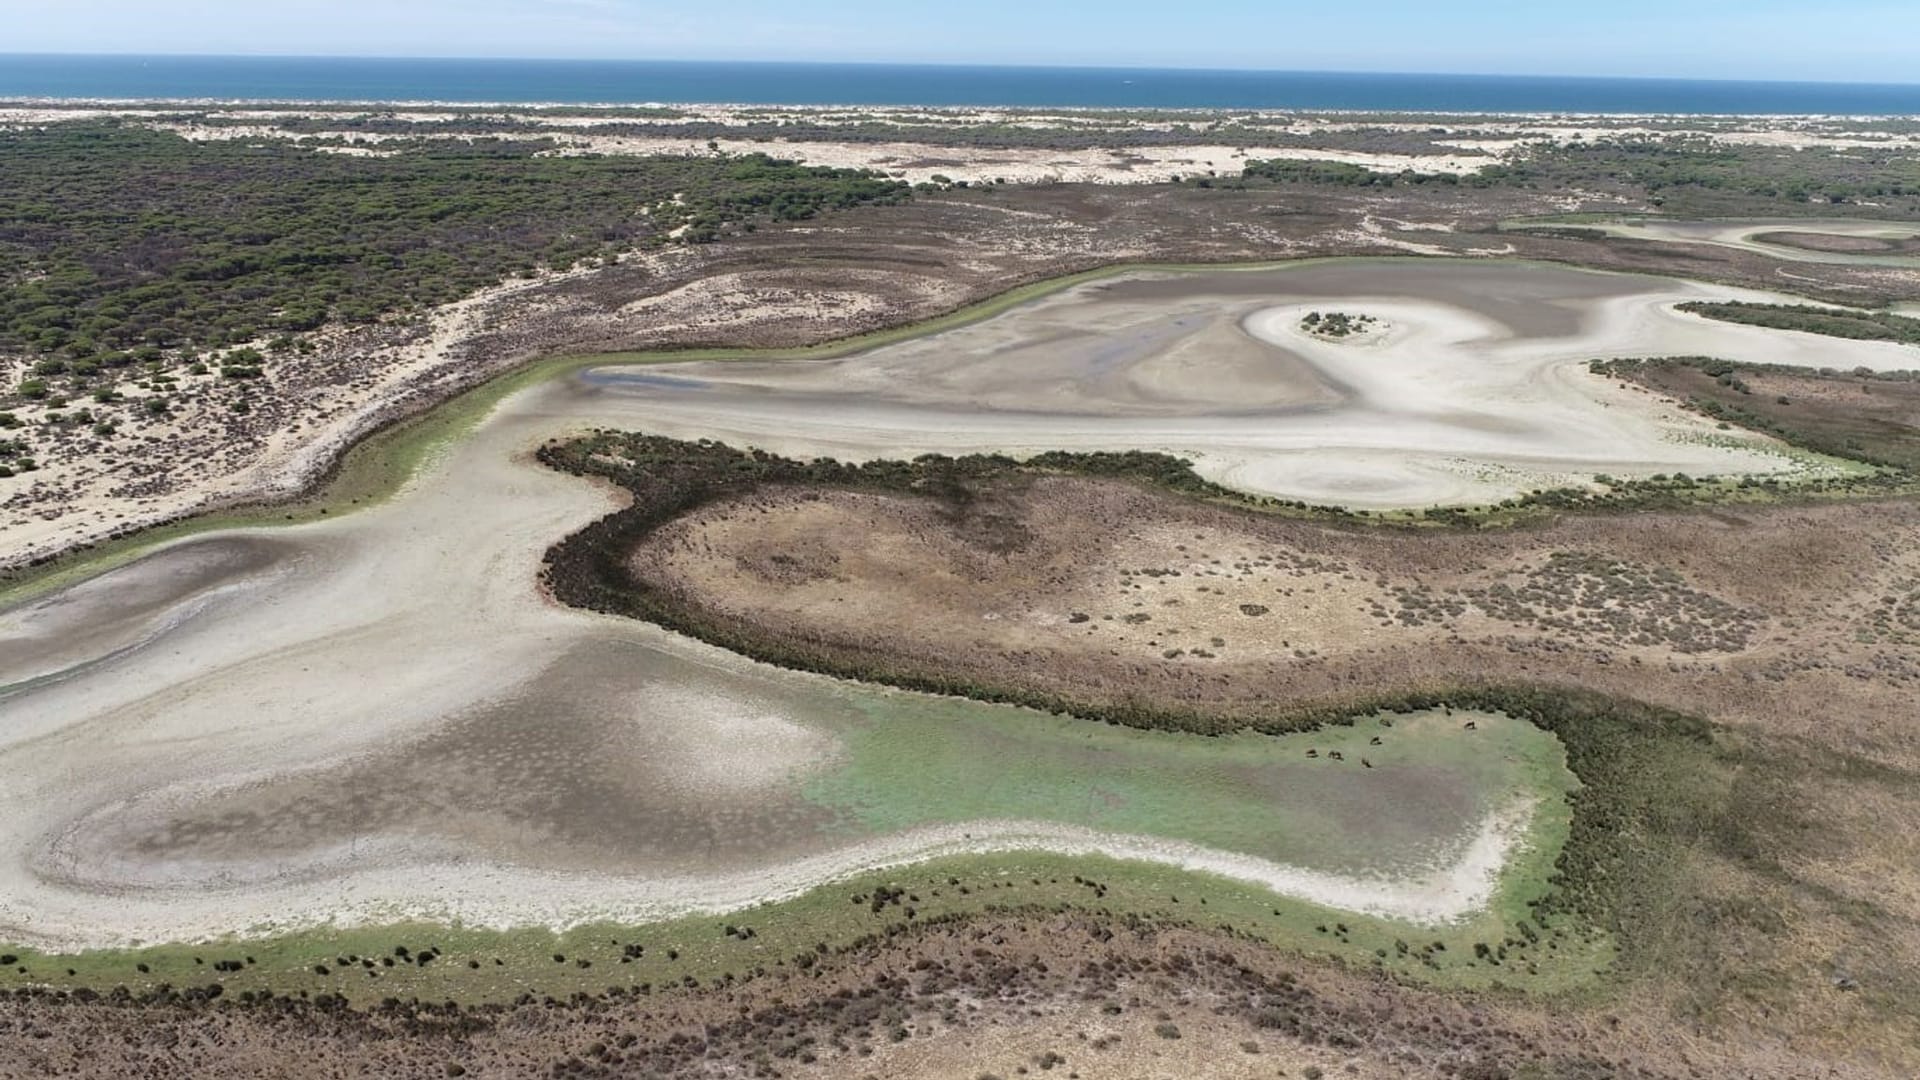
(301, 734)
(1835, 242)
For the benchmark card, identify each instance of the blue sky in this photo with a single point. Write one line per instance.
(1852, 40)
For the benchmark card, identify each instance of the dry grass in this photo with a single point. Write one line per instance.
(1775, 618)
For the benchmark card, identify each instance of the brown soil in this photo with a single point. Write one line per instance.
(1004, 997)
(1800, 620)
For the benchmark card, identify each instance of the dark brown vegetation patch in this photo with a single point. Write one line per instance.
(1842, 245)
(1853, 324)
(1594, 599)
(968, 575)
(1867, 416)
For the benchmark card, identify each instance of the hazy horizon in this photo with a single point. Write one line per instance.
(1720, 40)
(774, 62)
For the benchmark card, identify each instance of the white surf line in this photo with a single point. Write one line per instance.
(78, 915)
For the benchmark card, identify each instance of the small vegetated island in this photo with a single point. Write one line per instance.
(1338, 325)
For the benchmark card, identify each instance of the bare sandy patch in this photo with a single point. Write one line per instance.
(729, 749)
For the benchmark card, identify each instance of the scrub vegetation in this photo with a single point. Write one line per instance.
(1025, 990)
(135, 250)
(1857, 325)
(1859, 415)
(1684, 174)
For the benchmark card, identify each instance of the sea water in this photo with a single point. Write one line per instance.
(599, 81)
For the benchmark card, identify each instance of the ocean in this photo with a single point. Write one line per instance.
(594, 81)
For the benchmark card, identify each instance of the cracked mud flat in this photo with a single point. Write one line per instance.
(378, 715)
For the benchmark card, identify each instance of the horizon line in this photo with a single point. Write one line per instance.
(959, 65)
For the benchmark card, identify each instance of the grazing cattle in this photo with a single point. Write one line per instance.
(1384, 722)
(1336, 755)
(1367, 763)
(1375, 741)
(1313, 753)
(1472, 725)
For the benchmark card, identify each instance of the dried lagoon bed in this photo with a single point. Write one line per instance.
(1472, 393)
(1836, 242)
(418, 615)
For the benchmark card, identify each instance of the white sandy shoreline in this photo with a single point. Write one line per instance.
(478, 894)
